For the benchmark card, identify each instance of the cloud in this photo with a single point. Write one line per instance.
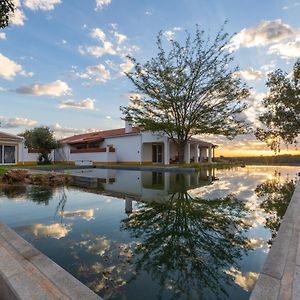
(291, 6)
(83, 104)
(126, 67)
(10, 69)
(18, 18)
(97, 74)
(289, 50)
(97, 33)
(249, 74)
(169, 34)
(100, 4)
(2, 36)
(41, 4)
(97, 51)
(86, 214)
(255, 106)
(61, 132)
(265, 33)
(56, 231)
(112, 45)
(120, 37)
(16, 122)
(245, 280)
(55, 89)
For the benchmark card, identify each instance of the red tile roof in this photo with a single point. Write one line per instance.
(97, 136)
(8, 136)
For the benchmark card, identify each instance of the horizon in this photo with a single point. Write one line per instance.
(62, 63)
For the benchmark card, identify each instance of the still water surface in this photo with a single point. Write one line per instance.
(152, 235)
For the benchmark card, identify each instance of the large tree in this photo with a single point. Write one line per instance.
(7, 8)
(41, 139)
(188, 89)
(281, 120)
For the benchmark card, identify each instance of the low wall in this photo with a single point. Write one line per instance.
(27, 274)
(280, 276)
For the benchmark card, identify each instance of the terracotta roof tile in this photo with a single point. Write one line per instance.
(8, 136)
(97, 136)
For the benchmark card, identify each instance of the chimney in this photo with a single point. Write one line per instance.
(128, 127)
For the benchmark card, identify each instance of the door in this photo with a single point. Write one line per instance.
(157, 153)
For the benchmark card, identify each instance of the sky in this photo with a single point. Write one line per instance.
(62, 62)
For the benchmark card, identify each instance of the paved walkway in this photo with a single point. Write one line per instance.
(27, 274)
(280, 277)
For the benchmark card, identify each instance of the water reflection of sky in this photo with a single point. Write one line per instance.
(188, 237)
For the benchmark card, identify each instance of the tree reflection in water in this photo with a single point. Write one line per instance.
(187, 244)
(277, 195)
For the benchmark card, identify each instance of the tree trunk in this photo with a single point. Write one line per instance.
(181, 148)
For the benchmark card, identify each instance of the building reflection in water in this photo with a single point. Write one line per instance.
(141, 185)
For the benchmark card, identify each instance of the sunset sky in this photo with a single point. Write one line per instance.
(62, 62)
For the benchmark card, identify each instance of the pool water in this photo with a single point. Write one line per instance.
(155, 235)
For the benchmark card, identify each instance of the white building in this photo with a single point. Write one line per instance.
(13, 151)
(129, 145)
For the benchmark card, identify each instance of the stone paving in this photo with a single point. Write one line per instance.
(280, 277)
(27, 274)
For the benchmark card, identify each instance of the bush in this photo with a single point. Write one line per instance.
(16, 176)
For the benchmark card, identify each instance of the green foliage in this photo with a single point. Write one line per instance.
(41, 139)
(282, 117)
(189, 242)
(188, 89)
(277, 195)
(7, 8)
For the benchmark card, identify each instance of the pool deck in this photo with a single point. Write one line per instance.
(280, 276)
(27, 274)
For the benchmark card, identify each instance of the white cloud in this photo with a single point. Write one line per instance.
(148, 13)
(83, 104)
(169, 34)
(97, 33)
(18, 18)
(16, 122)
(55, 89)
(97, 74)
(291, 6)
(26, 74)
(245, 280)
(114, 45)
(97, 51)
(126, 67)
(56, 231)
(254, 107)
(2, 36)
(41, 4)
(265, 33)
(9, 68)
(61, 132)
(250, 74)
(120, 37)
(86, 214)
(100, 4)
(288, 50)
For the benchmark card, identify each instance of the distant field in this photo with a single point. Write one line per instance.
(278, 160)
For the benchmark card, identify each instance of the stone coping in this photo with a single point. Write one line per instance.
(280, 276)
(27, 274)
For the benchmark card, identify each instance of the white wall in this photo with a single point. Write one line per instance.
(62, 153)
(147, 152)
(128, 148)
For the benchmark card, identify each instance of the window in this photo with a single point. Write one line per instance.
(7, 154)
